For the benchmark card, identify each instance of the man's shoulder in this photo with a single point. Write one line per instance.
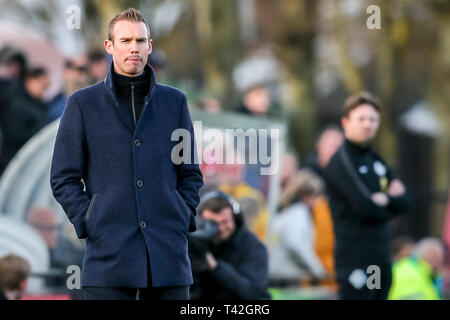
(335, 161)
(168, 90)
(245, 238)
(88, 92)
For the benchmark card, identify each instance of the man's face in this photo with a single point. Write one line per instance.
(129, 47)
(361, 125)
(225, 221)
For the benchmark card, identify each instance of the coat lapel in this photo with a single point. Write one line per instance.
(122, 112)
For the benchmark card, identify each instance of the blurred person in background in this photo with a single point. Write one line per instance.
(288, 168)
(76, 76)
(417, 276)
(158, 61)
(14, 274)
(25, 112)
(43, 220)
(330, 140)
(235, 261)
(292, 236)
(401, 247)
(13, 64)
(230, 179)
(256, 101)
(62, 251)
(363, 195)
(98, 65)
(210, 105)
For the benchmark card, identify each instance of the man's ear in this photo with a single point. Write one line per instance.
(109, 46)
(150, 46)
(344, 121)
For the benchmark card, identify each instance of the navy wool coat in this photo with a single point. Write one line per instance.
(121, 190)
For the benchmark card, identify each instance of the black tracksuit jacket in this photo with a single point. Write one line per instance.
(361, 227)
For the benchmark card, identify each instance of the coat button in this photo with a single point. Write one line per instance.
(143, 225)
(139, 183)
(137, 142)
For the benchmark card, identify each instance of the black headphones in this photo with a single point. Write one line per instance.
(236, 208)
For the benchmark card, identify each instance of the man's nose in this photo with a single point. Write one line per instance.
(134, 47)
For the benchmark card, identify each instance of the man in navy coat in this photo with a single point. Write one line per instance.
(113, 174)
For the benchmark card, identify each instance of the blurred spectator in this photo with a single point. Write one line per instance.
(12, 72)
(44, 221)
(256, 101)
(415, 277)
(289, 168)
(329, 141)
(230, 178)
(158, 61)
(76, 76)
(98, 65)
(236, 260)
(363, 195)
(210, 105)
(62, 251)
(291, 236)
(25, 112)
(252, 200)
(401, 247)
(13, 65)
(14, 273)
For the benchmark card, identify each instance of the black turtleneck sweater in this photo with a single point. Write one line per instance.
(361, 226)
(131, 92)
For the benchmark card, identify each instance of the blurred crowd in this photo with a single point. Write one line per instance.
(300, 241)
(23, 108)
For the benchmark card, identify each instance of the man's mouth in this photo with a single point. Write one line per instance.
(134, 59)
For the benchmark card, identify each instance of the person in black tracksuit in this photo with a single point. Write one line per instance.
(363, 195)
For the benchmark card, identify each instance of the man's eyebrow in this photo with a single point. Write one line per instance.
(130, 38)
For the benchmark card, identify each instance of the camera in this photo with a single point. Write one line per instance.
(200, 242)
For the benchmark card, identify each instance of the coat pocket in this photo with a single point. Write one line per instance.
(186, 208)
(91, 205)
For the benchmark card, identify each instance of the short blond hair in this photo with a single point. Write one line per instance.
(13, 271)
(129, 14)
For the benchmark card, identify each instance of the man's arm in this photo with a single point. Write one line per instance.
(399, 199)
(249, 280)
(190, 178)
(68, 167)
(340, 181)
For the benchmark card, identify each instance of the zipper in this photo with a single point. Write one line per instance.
(132, 103)
(91, 204)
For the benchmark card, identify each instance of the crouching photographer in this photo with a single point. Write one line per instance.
(228, 261)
